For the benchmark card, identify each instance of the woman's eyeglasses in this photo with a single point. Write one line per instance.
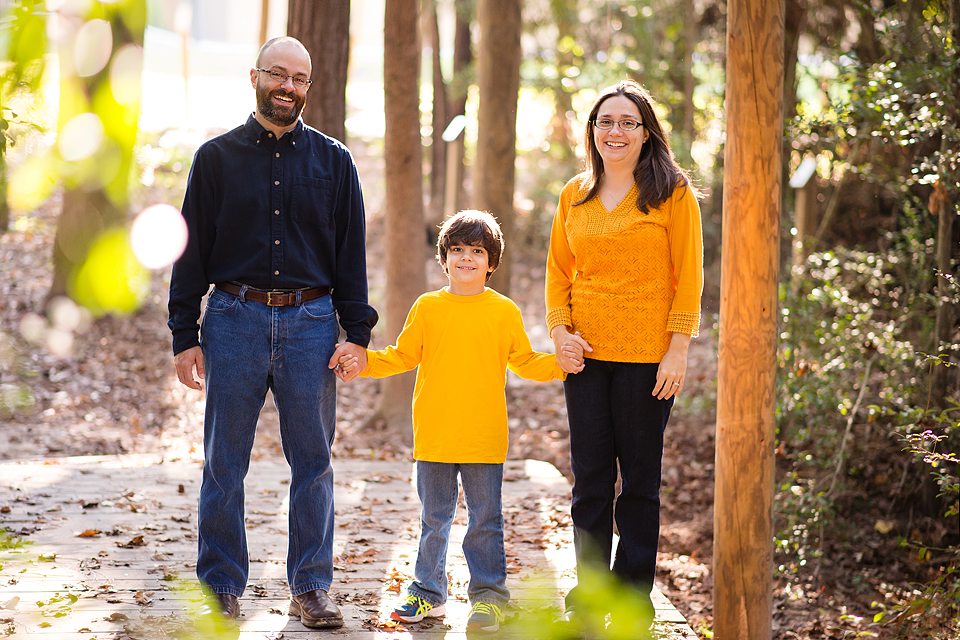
(626, 124)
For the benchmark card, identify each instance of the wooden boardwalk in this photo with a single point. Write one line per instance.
(111, 546)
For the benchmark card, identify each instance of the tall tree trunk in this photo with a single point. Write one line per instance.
(405, 247)
(498, 78)
(323, 26)
(794, 15)
(561, 133)
(691, 29)
(438, 121)
(96, 188)
(946, 211)
(462, 65)
(264, 20)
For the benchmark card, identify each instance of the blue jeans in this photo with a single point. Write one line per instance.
(483, 541)
(614, 418)
(248, 348)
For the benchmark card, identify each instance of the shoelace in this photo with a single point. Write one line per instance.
(489, 609)
(422, 605)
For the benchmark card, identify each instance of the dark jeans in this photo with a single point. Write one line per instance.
(614, 418)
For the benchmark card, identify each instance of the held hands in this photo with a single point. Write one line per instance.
(184, 362)
(569, 349)
(348, 361)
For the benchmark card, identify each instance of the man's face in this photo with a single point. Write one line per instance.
(281, 102)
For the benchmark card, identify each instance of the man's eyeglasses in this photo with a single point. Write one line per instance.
(625, 125)
(300, 82)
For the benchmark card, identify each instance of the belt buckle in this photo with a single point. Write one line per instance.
(275, 295)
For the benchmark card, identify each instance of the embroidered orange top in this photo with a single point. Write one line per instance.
(624, 279)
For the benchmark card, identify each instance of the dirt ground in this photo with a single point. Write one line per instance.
(113, 390)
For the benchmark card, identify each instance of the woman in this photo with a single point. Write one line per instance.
(625, 272)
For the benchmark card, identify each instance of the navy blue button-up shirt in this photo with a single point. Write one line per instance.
(272, 214)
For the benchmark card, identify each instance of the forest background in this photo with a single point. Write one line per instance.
(868, 421)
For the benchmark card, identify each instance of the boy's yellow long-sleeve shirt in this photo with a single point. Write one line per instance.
(626, 280)
(463, 346)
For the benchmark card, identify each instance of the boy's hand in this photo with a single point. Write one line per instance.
(348, 361)
(569, 349)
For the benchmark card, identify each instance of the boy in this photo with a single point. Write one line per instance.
(463, 338)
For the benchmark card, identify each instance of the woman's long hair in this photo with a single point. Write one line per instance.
(657, 173)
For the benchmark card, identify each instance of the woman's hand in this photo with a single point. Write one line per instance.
(673, 368)
(569, 349)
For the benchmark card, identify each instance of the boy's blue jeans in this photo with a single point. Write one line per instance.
(483, 542)
(614, 418)
(249, 347)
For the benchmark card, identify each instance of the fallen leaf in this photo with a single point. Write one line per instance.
(11, 604)
(89, 533)
(116, 616)
(142, 599)
(136, 541)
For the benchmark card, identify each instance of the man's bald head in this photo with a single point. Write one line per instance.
(285, 41)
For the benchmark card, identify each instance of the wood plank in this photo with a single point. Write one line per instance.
(375, 544)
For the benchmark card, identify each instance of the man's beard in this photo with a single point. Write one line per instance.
(280, 116)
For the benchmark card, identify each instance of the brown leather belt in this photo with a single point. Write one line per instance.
(274, 298)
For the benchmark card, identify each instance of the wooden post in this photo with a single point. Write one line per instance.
(743, 509)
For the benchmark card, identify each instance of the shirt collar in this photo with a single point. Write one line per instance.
(254, 130)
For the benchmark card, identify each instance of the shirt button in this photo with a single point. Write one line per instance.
(277, 212)
(276, 242)
(278, 155)
(276, 182)
(270, 135)
(276, 273)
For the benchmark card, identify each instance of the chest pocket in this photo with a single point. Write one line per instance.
(312, 202)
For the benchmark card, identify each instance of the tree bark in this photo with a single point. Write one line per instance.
(405, 247)
(561, 133)
(691, 23)
(498, 78)
(439, 121)
(456, 198)
(946, 211)
(96, 188)
(323, 26)
(264, 20)
(794, 16)
(746, 395)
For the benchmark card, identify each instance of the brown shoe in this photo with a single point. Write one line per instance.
(315, 609)
(224, 604)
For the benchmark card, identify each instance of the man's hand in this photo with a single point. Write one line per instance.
(348, 361)
(185, 361)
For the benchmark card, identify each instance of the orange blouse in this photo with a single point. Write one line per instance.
(624, 279)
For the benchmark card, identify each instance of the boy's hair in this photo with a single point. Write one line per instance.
(474, 229)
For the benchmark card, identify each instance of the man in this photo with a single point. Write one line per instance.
(276, 223)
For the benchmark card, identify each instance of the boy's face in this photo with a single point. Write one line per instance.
(467, 267)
